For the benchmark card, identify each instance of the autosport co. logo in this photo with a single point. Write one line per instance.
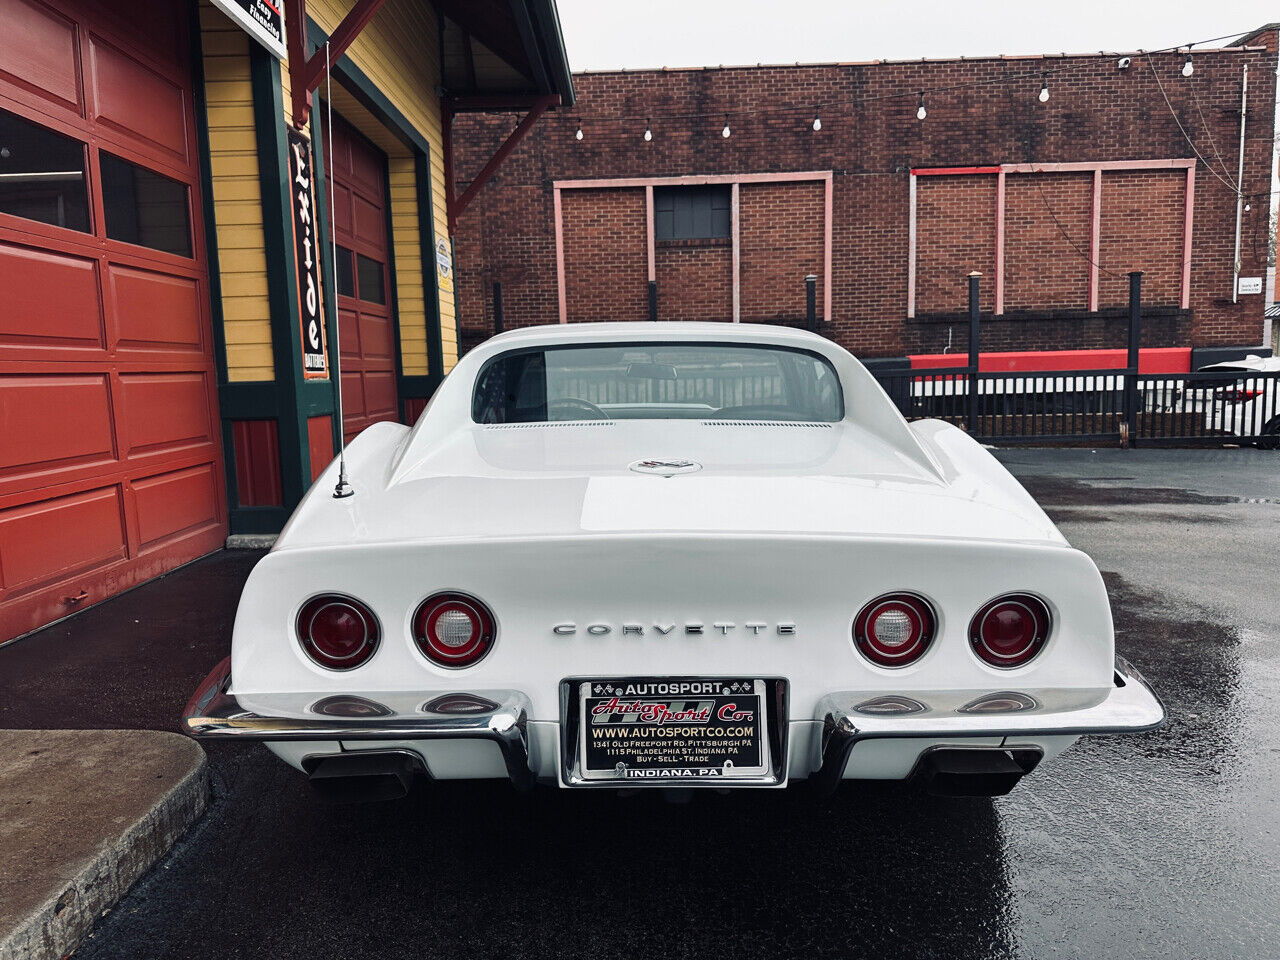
(617, 710)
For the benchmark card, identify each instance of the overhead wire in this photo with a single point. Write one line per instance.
(806, 109)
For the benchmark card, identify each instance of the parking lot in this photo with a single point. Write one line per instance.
(1163, 845)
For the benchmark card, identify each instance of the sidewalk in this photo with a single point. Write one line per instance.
(83, 815)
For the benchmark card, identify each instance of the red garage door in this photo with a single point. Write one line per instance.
(364, 287)
(109, 451)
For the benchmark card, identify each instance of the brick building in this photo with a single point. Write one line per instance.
(1128, 165)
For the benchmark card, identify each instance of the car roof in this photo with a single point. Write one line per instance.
(679, 330)
(1252, 362)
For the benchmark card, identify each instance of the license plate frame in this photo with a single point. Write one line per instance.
(695, 707)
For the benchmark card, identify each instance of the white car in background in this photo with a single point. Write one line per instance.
(1247, 401)
(670, 555)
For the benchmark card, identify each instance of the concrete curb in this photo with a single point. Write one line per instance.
(251, 541)
(83, 815)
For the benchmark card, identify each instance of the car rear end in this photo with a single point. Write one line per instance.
(731, 660)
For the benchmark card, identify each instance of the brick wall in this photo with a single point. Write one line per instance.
(605, 254)
(1048, 223)
(695, 278)
(780, 242)
(955, 235)
(1142, 224)
(981, 112)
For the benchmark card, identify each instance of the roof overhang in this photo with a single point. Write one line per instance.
(496, 49)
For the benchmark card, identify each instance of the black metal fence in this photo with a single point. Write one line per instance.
(1095, 406)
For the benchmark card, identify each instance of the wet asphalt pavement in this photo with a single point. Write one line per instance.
(1163, 845)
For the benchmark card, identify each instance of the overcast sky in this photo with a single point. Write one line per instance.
(609, 34)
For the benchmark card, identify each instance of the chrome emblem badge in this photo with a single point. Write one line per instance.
(666, 468)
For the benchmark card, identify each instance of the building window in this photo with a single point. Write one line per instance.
(143, 207)
(346, 273)
(691, 213)
(360, 276)
(369, 276)
(42, 175)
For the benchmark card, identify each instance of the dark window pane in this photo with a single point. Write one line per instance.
(42, 174)
(691, 213)
(369, 272)
(346, 273)
(144, 207)
(658, 381)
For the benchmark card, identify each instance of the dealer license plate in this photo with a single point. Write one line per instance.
(642, 729)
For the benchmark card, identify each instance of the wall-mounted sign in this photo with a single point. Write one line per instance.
(261, 19)
(306, 257)
(444, 265)
(1249, 285)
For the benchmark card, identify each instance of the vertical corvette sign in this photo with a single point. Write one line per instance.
(306, 257)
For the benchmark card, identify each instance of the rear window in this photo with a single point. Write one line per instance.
(657, 381)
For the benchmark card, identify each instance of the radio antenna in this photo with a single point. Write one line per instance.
(341, 488)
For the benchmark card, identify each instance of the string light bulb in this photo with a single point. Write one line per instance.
(648, 132)
(1044, 88)
(817, 123)
(577, 134)
(726, 132)
(1188, 68)
(921, 112)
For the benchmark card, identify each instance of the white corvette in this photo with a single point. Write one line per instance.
(614, 555)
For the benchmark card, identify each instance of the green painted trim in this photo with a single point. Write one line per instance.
(258, 519)
(249, 400)
(457, 303)
(199, 107)
(315, 398)
(430, 279)
(391, 278)
(547, 23)
(415, 386)
(277, 229)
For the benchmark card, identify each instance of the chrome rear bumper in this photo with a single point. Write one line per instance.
(1130, 706)
(213, 713)
(847, 719)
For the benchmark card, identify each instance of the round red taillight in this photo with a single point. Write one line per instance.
(453, 629)
(1010, 630)
(895, 629)
(337, 632)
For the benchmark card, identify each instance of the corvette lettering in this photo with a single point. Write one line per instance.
(692, 629)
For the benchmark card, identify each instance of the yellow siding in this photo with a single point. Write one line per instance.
(399, 52)
(408, 255)
(237, 198)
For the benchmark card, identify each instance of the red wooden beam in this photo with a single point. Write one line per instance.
(356, 19)
(295, 29)
(537, 107)
(305, 73)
